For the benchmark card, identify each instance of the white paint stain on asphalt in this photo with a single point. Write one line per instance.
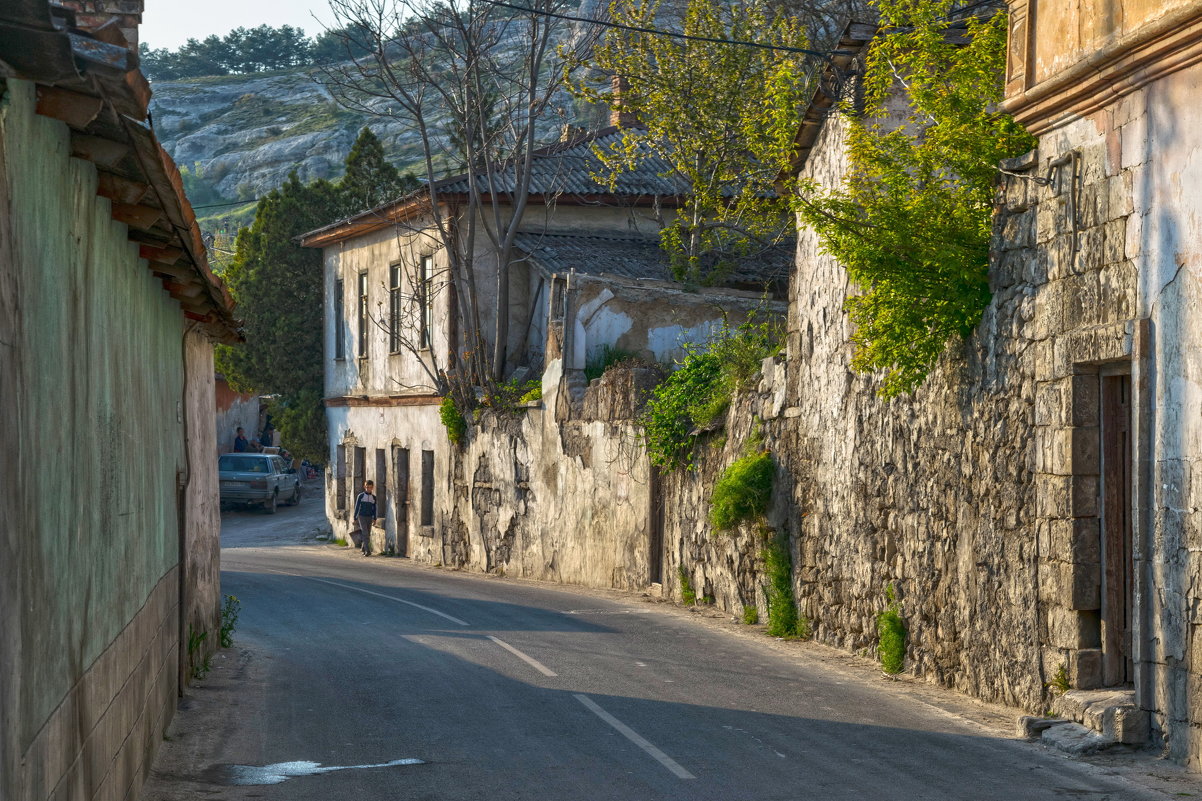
(634, 737)
(534, 663)
(252, 775)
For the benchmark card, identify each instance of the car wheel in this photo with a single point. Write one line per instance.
(296, 495)
(271, 502)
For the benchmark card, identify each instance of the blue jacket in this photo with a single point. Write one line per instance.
(365, 505)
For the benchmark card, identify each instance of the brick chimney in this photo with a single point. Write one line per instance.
(621, 119)
(91, 15)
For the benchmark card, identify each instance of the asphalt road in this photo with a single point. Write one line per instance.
(356, 678)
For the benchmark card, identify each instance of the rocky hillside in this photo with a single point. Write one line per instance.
(242, 134)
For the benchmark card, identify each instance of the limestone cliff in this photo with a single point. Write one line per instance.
(247, 132)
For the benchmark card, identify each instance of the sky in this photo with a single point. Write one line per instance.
(169, 23)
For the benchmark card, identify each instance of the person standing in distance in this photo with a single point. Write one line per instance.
(365, 513)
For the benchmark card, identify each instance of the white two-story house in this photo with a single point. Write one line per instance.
(394, 319)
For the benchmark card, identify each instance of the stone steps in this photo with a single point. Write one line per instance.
(1089, 721)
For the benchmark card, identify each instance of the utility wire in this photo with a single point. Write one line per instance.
(673, 34)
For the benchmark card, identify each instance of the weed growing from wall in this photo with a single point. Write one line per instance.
(688, 595)
(751, 615)
(783, 620)
(607, 358)
(891, 635)
(742, 492)
(229, 619)
(693, 397)
(453, 420)
(1060, 682)
(196, 641)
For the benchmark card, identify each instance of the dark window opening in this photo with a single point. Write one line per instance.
(339, 321)
(400, 472)
(381, 479)
(427, 488)
(425, 296)
(394, 308)
(362, 316)
(340, 476)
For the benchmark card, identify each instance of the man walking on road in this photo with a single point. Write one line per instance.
(365, 513)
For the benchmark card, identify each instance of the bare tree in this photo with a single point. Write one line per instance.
(481, 86)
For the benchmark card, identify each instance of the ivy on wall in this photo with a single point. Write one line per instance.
(911, 222)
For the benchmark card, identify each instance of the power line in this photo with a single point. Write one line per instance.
(673, 34)
(231, 203)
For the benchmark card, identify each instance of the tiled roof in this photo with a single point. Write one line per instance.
(570, 167)
(642, 257)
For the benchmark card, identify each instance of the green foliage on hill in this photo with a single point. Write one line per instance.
(911, 222)
(248, 51)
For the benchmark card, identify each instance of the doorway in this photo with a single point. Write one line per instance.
(1118, 551)
(656, 527)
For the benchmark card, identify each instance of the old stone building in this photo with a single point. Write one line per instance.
(109, 515)
(1107, 216)
(589, 275)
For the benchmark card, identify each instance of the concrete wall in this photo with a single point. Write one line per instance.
(234, 410)
(93, 360)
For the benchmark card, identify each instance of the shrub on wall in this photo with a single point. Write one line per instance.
(700, 390)
(742, 492)
(453, 420)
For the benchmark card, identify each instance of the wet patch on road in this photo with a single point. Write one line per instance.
(251, 775)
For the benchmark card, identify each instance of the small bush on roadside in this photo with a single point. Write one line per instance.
(783, 620)
(751, 615)
(688, 595)
(229, 619)
(891, 635)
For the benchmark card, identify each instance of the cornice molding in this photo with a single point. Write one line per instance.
(1168, 45)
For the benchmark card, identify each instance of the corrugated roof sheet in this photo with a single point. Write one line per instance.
(642, 257)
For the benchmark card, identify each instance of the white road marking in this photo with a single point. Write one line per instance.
(251, 775)
(389, 597)
(634, 737)
(534, 663)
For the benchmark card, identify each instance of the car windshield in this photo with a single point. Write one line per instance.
(242, 464)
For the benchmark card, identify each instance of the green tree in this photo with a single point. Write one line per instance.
(723, 118)
(370, 180)
(911, 222)
(278, 287)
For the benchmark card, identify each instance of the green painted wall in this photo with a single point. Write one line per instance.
(96, 417)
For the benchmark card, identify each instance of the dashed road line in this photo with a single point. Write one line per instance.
(634, 737)
(534, 663)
